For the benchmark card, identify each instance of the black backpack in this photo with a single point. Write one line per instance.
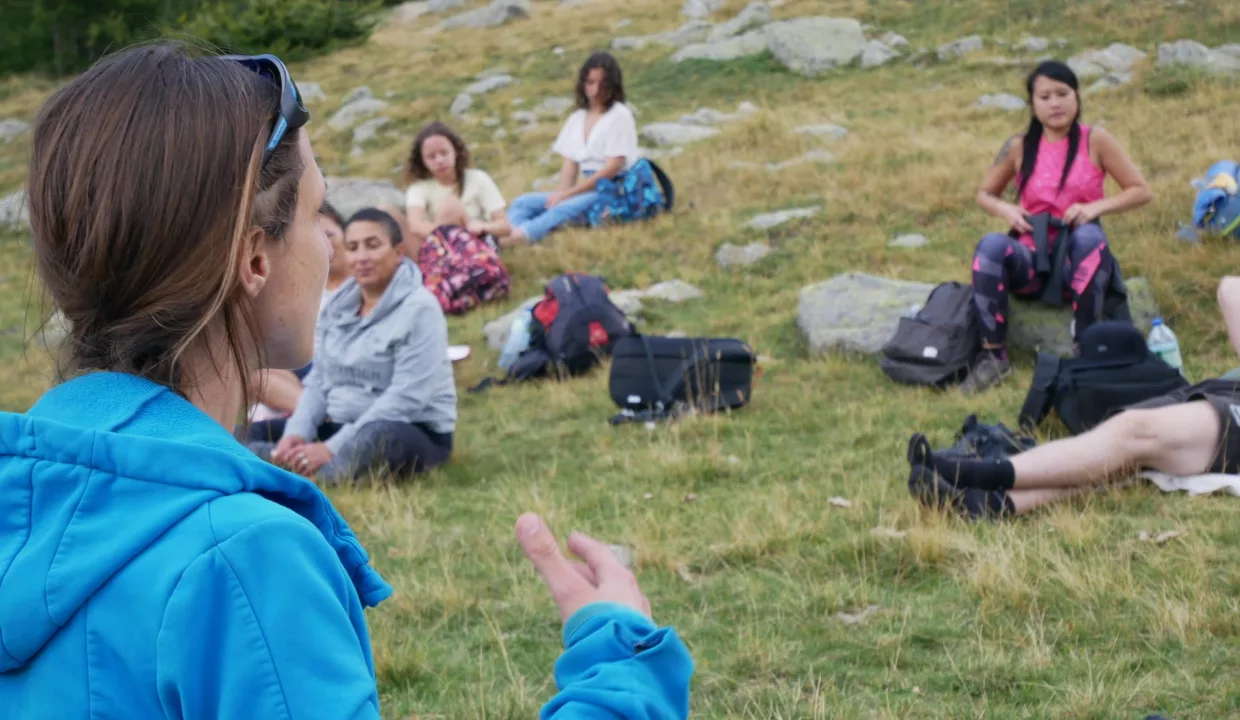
(1115, 369)
(978, 440)
(657, 377)
(937, 346)
(572, 328)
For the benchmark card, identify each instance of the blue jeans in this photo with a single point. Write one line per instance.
(529, 212)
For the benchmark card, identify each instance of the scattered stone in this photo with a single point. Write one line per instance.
(623, 554)
(670, 133)
(876, 54)
(672, 291)
(489, 84)
(659, 153)
(766, 221)
(409, 12)
(1194, 54)
(499, 12)
(886, 532)
(356, 94)
(1034, 325)
(14, 213)
(557, 50)
(1116, 57)
(648, 496)
(840, 502)
(525, 117)
(366, 131)
(12, 128)
(814, 45)
(555, 106)
(700, 8)
(835, 132)
(1001, 101)
(629, 302)
(490, 122)
(1110, 82)
(624, 22)
(1032, 44)
(1162, 537)
(438, 6)
(499, 134)
(960, 48)
(689, 498)
(352, 113)
(461, 104)
(1233, 50)
(751, 43)
(709, 117)
(310, 92)
(854, 618)
(694, 31)
(813, 156)
(755, 15)
(894, 40)
(350, 194)
(909, 241)
(730, 255)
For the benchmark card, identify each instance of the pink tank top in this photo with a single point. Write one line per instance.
(1085, 182)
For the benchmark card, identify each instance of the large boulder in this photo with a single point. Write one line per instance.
(700, 8)
(755, 15)
(350, 194)
(856, 312)
(694, 31)
(499, 12)
(733, 48)
(814, 45)
(959, 48)
(1114, 58)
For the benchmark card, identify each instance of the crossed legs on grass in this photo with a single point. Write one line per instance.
(1179, 439)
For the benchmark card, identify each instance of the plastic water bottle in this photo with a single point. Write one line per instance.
(1163, 343)
(518, 339)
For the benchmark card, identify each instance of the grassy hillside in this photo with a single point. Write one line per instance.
(1063, 614)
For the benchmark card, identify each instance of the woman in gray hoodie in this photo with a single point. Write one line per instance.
(381, 391)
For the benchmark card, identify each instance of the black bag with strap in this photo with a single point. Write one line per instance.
(938, 345)
(572, 328)
(1115, 369)
(653, 377)
(1050, 258)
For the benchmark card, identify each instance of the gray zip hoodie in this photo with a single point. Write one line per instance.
(390, 365)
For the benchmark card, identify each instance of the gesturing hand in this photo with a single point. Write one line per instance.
(284, 448)
(1015, 215)
(574, 585)
(307, 459)
(1081, 214)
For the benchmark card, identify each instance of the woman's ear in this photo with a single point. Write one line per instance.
(254, 264)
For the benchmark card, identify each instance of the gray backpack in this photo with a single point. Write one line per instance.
(938, 345)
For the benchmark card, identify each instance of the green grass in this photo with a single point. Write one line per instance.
(1062, 614)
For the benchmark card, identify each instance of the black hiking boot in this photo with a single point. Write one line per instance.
(987, 372)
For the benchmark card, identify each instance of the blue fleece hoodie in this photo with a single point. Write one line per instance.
(152, 567)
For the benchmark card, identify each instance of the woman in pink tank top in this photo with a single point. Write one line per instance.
(1059, 167)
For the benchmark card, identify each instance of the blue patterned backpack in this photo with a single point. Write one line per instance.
(638, 193)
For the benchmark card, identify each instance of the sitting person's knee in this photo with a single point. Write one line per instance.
(1229, 291)
(992, 246)
(1140, 431)
(1089, 234)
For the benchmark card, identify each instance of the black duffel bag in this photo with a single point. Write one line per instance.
(1114, 370)
(654, 377)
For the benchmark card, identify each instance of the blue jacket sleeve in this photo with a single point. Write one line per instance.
(266, 625)
(618, 665)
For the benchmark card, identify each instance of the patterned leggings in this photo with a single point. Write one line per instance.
(1002, 264)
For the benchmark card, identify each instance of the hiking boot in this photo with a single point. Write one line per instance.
(989, 371)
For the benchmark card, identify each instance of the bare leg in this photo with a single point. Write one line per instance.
(278, 389)
(1026, 500)
(1177, 439)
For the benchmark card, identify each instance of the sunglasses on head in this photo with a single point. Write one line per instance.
(292, 113)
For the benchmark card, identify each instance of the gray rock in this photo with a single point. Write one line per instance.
(555, 106)
(1002, 101)
(1233, 50)
(489, 84)
(490, 122)
(499, 12)
(1036, 326)
(366, 131)
(814, 45)
(499, 134)
(672, 291)
(461, 104)
(876, 54)
(354, 112)
(709, 117)
(909, 241)
(812, 156)
(749, 44)
(525, 117)
(960, 48)
(622, 23)
(855, 312)
(730, 255)
(492, 72)
(496, 332)
(14, 213)
(438, 6)
(1183, 52)
(828, 130)
(755, 15)
(629, 302)
(694, 31)
(894, 40)
(1221, 62)
(1110, 82)
(310, 92)
(659, 153)
(409, 12)
(1116, 57)
(700, 8)
(356, 94)
(12, 128)
(766, 221)
(670, 133)
(1032, 44)
(350, 194)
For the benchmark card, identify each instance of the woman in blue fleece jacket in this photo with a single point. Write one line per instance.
(150, 565)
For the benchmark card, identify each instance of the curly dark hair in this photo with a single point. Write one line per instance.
(613, 80)
(415, 166)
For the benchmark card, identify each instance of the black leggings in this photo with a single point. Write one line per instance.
(405, 448)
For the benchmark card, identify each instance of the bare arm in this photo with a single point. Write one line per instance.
(611, 169)
(1114, 160)
(568, 176)
(997, 178)
(1229, 303)
(419, 226)
(498, 225)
